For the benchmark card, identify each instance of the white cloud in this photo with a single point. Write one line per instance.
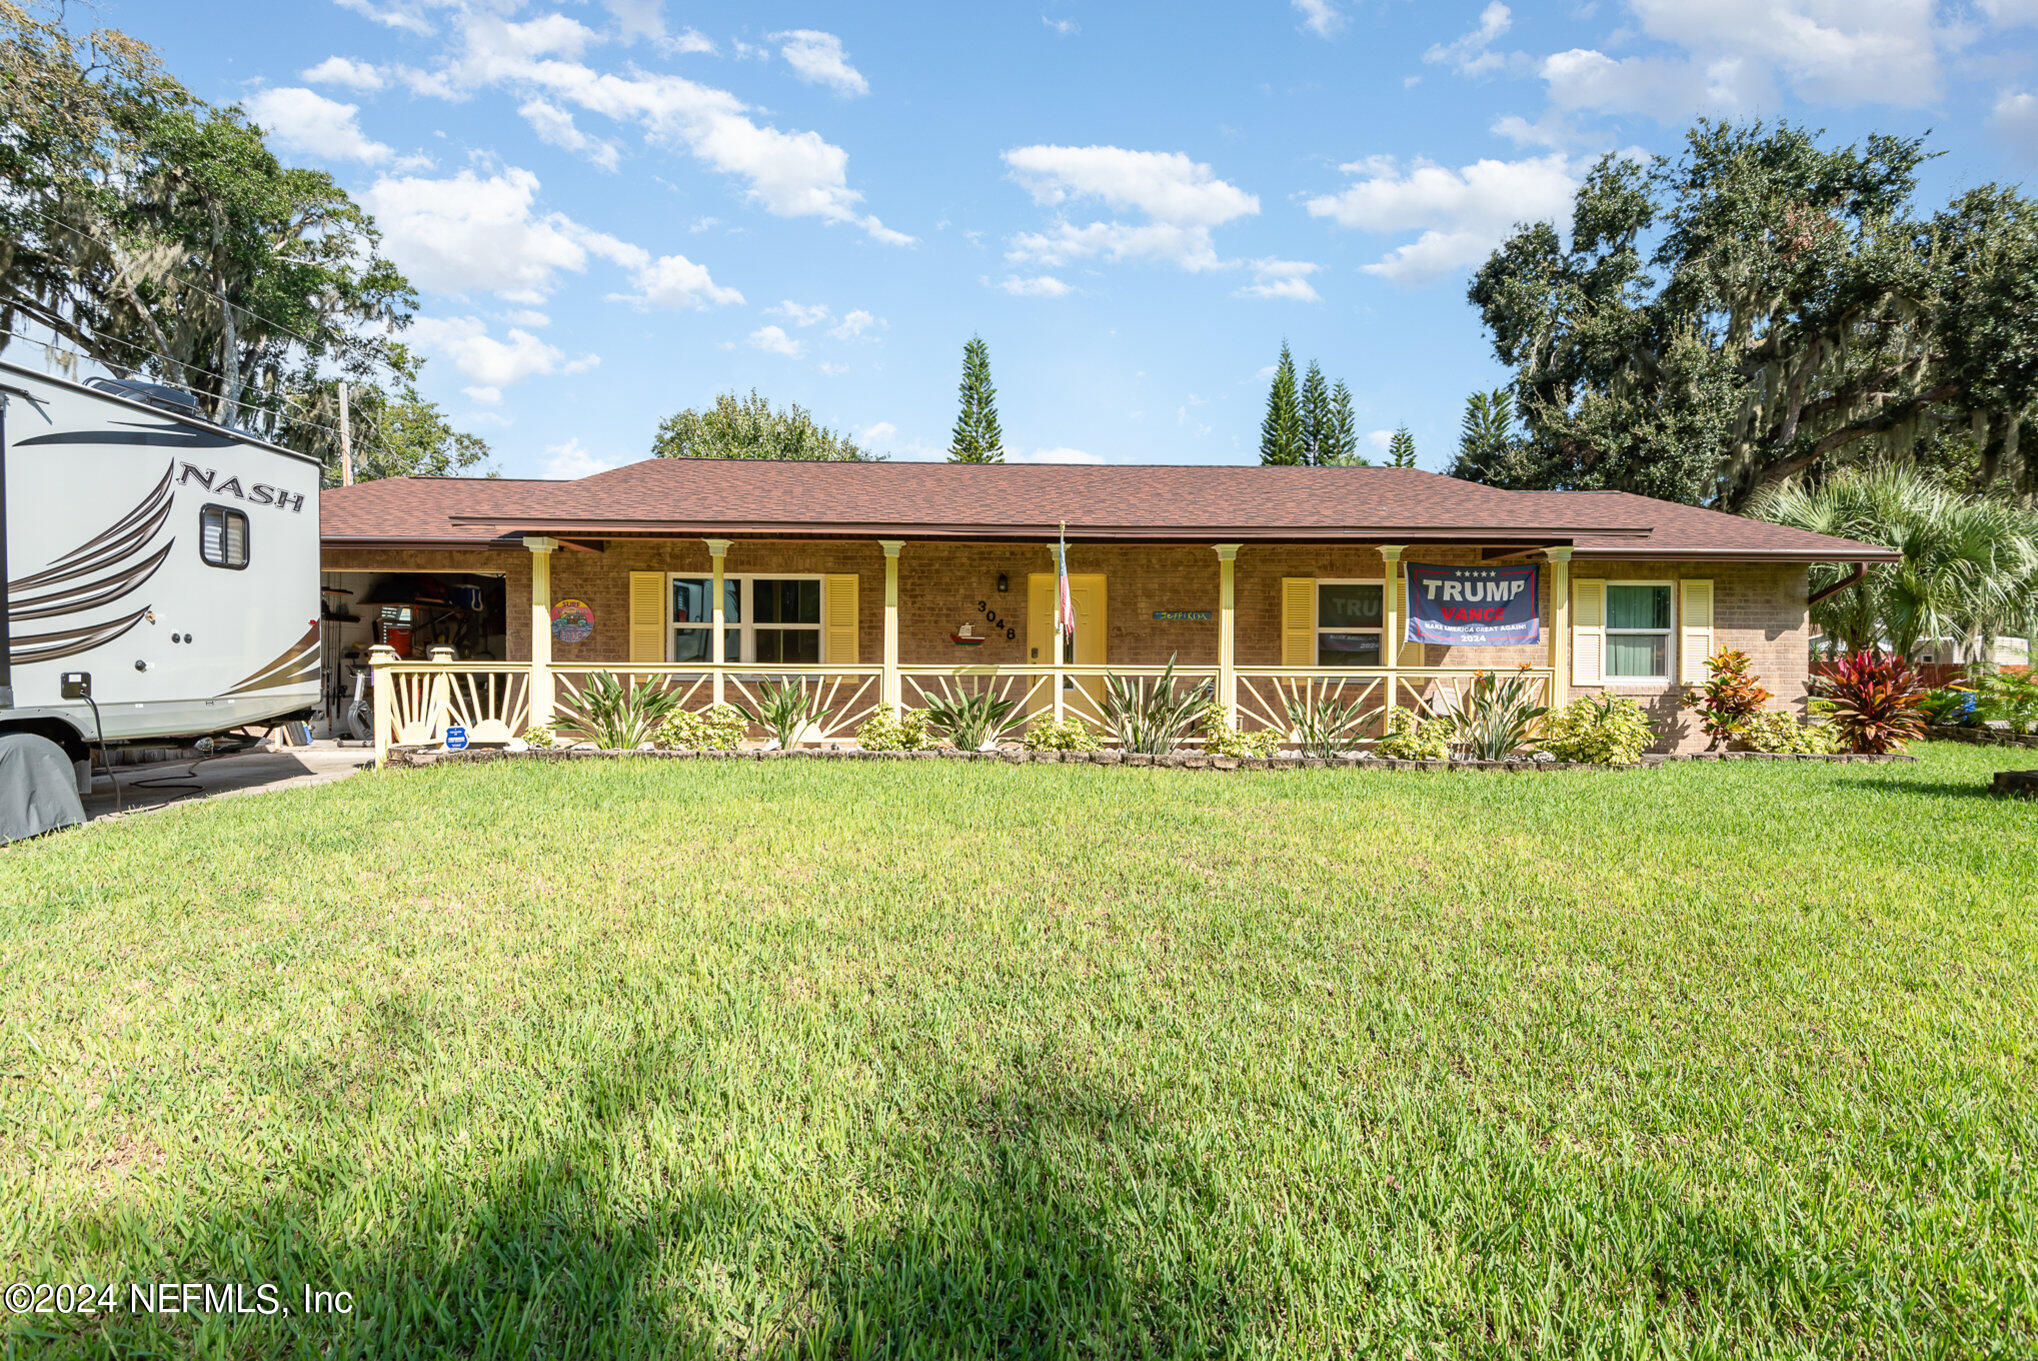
(572, 459)
(2015, 120)
(677, 284)
(1321, 17)
(556, 126)
(492, 363)
(527, 316)
(1182, 200)
(400, 17)
(1061, 454)
(1038, 286)
(818, 59)
(774, 340)
(1463, 213)
(2010, 13)
(355, 75)
(1066, 28)
(1287, 279)
(303, 120)
(855, 323)
(1378, 440)
(831, 368)
(800, 315)
(485, 395)
(469, 233)
(1471, 55)
(884, 432)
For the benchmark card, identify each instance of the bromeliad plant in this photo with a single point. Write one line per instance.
(1150, 716)
(785, 709)
(1729, 697)
(973, 719)
(1324, 726)
(1876, 701)
(1499, 714)
(616, 716)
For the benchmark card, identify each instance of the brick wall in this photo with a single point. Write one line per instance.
(1757, 608)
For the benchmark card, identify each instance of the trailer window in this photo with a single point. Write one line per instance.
(223, 537)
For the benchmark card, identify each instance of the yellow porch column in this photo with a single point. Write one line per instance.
(1560, 625)
(718, 549)
(541, 627)
(1227, 649)
(1390, 631)
(889, 689)
(380, 658)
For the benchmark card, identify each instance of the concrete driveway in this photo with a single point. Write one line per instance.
(244, 773)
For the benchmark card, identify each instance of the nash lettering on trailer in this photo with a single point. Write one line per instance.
(261, 494)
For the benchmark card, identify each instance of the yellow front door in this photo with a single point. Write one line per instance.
(1086, 593)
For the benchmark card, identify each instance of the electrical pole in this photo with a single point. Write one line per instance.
(346, 441)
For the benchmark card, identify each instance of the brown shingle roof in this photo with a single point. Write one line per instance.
(696, 497)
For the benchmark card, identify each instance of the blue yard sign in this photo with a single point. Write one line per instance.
(1474, 606)
(456, 738)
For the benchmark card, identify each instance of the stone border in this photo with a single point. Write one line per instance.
(2016, 784)
(425, 756)
(1980, 737)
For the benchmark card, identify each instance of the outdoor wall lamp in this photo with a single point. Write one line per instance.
(1004, 583)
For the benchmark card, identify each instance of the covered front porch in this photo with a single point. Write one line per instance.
(1260, 628)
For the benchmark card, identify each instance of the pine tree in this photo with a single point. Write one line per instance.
(1340, 447)
(1486, 436)
(1316, 417)
(977, 438)
(1401, 449)
(1281, 431)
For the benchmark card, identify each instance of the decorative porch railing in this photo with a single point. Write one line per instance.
(415, 702)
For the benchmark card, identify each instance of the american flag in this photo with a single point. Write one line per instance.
(1065, 607)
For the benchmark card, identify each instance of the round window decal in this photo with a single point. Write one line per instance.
(572, 621)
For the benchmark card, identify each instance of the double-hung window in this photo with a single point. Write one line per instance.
(1349, 618)
(766, 619)
(1638, 630)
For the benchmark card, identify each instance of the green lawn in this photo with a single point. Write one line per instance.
(944, 1059)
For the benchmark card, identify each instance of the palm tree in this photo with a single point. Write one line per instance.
(1969, 569)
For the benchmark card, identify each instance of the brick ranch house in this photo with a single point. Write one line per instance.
(867, 580)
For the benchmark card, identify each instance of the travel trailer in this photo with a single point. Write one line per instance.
(159, 571)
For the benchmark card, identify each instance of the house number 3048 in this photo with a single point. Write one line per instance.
(991, 617)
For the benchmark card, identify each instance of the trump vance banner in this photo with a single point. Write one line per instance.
(1474, 606)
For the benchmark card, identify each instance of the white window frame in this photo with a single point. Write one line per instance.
(747, 626)
(1316, 610)
(1669, 637)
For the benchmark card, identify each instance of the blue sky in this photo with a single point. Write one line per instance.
(616, 210)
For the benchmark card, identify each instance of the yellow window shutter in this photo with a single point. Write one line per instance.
(1694, 629)
(1588, 633)
(1298, 621)
(648, 622)
(838, 606)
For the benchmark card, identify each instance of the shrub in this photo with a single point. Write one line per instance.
(1071, 734)
(1607, 730)
(1499, 714)
(973, 719)
(2010, 697)
(1875, 701)
(1151, 716)
(786, 709)
(721, 728)
(540, 737)
(888, 729)
(1411, 739)
(1221, 739)
(1323, 726)
(1780, 731)
(1949, 704)
(617, 716)
(1729, 696)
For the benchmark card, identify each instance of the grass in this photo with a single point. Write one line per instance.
(947, 1059)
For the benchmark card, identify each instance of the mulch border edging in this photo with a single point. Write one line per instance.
(414, 757)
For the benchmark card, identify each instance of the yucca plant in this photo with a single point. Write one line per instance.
(1326, 727)
(1499, 715)
(616, 716)
(785, 709)
(1877, 701)
(1151, 716)
(973, 719)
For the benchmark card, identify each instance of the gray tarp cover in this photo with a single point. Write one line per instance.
(38, 787)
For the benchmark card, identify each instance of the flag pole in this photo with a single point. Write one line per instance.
(1061, 570)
